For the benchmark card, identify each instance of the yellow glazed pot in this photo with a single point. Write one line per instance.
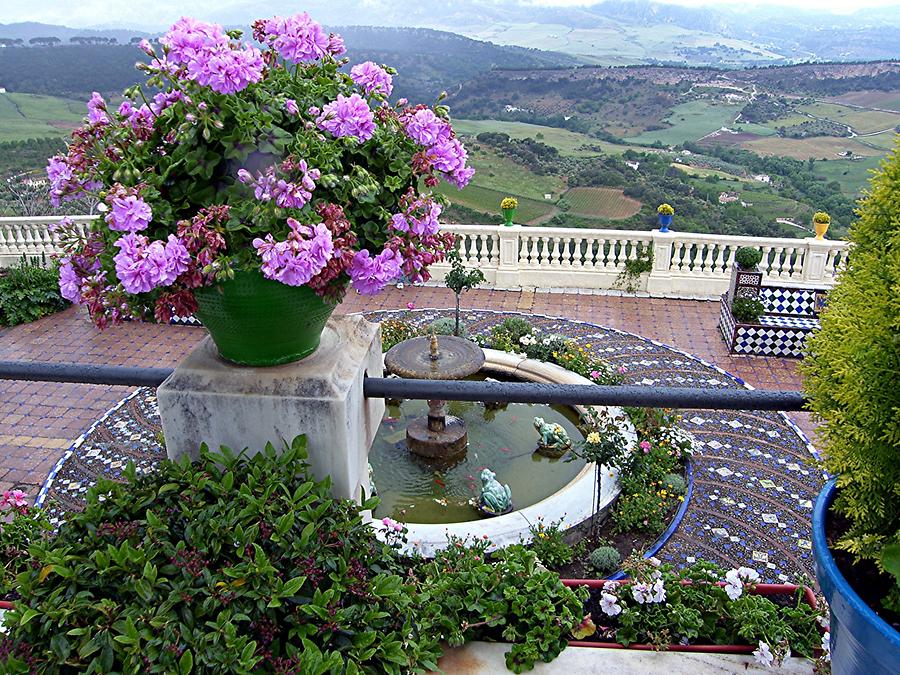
(821, 229)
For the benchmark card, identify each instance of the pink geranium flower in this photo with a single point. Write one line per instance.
(14, 498)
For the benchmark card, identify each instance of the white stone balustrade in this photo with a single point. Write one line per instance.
(685, 264)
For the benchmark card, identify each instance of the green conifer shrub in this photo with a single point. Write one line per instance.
(851, 375)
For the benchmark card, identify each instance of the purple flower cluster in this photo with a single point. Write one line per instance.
(287, 195)
(372, 79)
(299, 39)
(291, 106)
(298, 259)
(420, 217)
(62, 180)
(450, 159)
(140, 119)
(69, 281)
(370, 275)
(128, 213)
(97, 109)
(445, 153)
(210, 58)
(348, 116)
(142, 265)
(166, 99)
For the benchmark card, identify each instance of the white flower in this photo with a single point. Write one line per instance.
(641, 593)
(659, 591)
(654, 561)
(593, 437)
(763, 655)
(733, 585)
(608, 604)
(747, 574)
(610, 587)
(826, 645)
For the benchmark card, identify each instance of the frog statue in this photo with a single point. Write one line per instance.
(495, 498)
(554, 442)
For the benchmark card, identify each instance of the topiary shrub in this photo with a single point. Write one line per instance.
(675, 483)
(605, 559)
(747, 310)
(748, 257)
(446, 326)
(229, 565)
(851, 377)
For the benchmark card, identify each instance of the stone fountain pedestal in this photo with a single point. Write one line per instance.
(211, 400)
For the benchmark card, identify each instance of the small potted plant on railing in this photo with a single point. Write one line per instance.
(666, 213)
(821, 221)
(747, 258)
(253, 188)
(850, 377)
(508, 208)
(746, 278)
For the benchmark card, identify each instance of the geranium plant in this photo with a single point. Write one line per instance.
(274, 159)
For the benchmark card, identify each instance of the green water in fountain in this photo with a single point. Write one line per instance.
(415, 490)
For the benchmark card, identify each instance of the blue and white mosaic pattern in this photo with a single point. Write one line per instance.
(755, 477)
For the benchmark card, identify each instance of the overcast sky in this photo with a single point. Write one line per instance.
(135, 13)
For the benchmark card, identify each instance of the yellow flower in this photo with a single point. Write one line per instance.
(588, 345)
(593, 437)
(681, 498)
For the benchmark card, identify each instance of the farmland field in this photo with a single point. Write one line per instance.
(703, 173)
(693, 120)
(501, 173)
(818, 147)
(885, 141)
(870, 99)
(487, 200)
(853, 176)
(601, 203)
(567, 142)
(24, 116)
(862, 121)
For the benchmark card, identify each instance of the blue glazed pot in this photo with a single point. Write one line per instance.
(861, 641)
(664, 222)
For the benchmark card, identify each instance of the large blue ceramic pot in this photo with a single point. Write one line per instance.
(861, 641)
(664, 222)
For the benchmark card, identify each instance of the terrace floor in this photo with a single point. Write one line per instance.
(39, 421)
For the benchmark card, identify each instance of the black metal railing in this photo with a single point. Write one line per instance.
(458, 390)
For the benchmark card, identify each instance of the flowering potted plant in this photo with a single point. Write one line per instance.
(22, 524)
(508, 206)
(850, 378)
(666, 213)
(701, 608)
(253, 188)
(821, 221)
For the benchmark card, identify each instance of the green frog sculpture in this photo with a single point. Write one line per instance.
(495, 499)
(554, 442)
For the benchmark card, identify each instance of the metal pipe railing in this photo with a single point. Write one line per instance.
(457, 390)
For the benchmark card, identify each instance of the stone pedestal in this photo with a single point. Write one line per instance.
(210, 400)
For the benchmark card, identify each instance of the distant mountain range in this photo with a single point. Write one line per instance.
(610, 32)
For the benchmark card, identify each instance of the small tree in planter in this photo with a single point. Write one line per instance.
(746, 278)
(460, 279)
(747, 258)
(851, 380)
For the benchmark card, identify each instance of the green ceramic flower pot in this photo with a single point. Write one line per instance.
(508, 216)
(255, 321)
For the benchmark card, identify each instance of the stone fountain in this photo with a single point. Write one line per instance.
(438, 435)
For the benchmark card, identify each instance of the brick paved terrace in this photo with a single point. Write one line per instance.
(38, 421)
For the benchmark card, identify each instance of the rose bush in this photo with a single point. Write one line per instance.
(270, 159)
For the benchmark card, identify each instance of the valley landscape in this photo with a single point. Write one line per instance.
(741, 137)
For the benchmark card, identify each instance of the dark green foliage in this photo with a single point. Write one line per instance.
(467, 598)
(29, 291)
(635, 267)
(605, 559)
(446, 326)
(549, 544)
(20, 527)
(851, 375)
(747, 257)
(747, 310)
(230, 565)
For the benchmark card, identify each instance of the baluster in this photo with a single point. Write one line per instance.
(764, 263)
(5, 247)
(570, 259)
(678, 256)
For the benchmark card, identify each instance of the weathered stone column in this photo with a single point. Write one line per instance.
(659, 281)
(211, 400)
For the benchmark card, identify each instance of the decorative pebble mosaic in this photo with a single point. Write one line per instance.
(755, 477)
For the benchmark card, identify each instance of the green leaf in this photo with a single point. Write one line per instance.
(186, 662)
(890, 560)
(28, 615)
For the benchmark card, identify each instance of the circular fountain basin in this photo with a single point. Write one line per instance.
(541, 487)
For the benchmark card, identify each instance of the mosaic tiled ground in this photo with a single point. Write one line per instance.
(754, 475)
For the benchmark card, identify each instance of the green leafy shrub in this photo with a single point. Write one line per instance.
(747, 310)
(675, 483)
(747, 257)
(21, 525)
(511, 598)
(28, 292)
(549, 544)
(605, 559)
(447, 326)
(851, 377)
(634, 267)
(230, 565)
